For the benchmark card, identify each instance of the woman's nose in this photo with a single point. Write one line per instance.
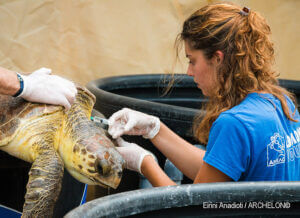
(189, 72)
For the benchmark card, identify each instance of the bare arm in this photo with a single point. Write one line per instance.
(154, 173)
(208, 173)
(186, 157)
(157, 176)
(9, 83)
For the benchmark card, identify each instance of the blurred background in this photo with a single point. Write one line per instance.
(88, 39)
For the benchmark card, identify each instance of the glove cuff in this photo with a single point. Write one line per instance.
(155, 129)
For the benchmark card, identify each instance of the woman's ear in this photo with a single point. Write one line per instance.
(218, 57)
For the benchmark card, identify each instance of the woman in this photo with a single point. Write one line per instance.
(251, 124)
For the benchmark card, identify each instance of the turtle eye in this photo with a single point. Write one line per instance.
(100, 169)
(103, 168)
(120, 174)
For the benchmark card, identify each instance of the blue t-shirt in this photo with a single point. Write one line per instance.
(254, 141)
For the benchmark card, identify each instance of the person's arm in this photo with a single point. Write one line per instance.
(208, 173)
(152, 171)
(39, 86)
(185, 156)
(157, 176)
(140, 160)
(9, 83)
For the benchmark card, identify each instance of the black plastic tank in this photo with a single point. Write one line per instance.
(230, 199)
(145, 93)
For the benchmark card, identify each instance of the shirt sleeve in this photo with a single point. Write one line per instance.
(228, 147)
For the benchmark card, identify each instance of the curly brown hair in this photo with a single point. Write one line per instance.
(244, 39)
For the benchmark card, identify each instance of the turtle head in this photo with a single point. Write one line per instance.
(89, 155)
(95, 161)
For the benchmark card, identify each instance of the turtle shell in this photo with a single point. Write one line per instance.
(14, 110)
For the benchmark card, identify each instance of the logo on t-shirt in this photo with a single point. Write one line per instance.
(282, 148)
(276, 151)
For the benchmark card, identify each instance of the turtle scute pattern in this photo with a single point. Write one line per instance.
(53, 139)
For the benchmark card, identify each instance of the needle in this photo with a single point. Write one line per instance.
(103, 123)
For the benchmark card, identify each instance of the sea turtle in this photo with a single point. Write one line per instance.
(52, 138)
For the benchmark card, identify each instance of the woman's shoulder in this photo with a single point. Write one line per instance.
(253, 104)
(259, 103)
(256, 109)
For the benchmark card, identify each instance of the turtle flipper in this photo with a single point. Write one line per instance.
(44, 185)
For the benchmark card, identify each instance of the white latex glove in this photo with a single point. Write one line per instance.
(132, 154)
(42, 87)
(131, 122)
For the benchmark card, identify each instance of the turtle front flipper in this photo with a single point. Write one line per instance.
(44, 185)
